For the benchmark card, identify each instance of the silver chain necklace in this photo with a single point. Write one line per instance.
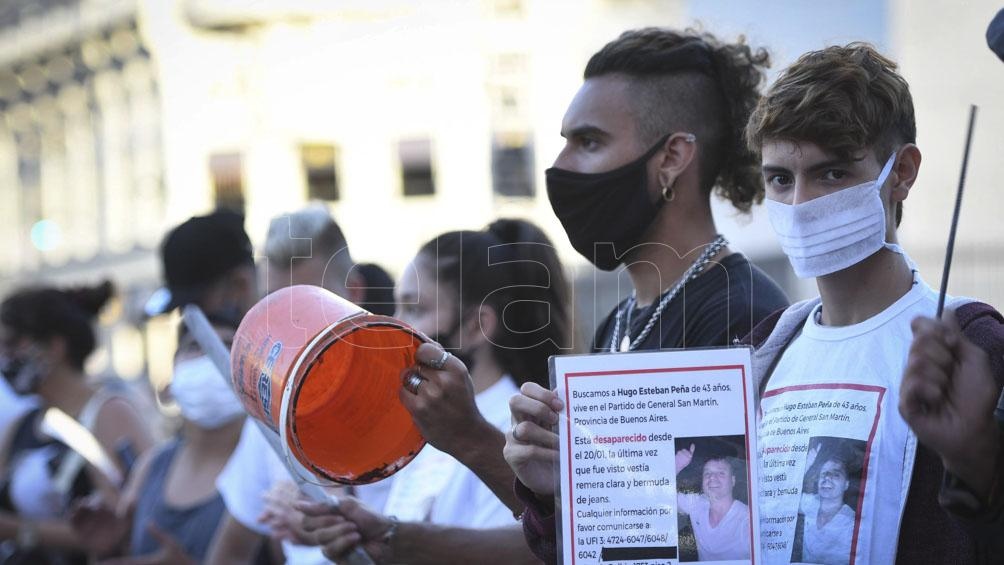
(625, 342)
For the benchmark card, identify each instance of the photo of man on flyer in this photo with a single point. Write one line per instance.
(828, 509)
(719, 517)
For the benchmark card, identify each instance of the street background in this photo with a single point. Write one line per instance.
(121, 118)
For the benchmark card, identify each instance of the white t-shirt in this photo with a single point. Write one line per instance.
(831, 544)
(252, 471)
(729, 540)
(439, 489)
(837, 388)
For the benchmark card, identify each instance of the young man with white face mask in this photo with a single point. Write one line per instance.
(836, 133)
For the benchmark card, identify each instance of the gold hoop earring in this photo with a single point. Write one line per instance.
(668, 194)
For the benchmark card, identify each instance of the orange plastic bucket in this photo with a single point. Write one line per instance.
(325, 374)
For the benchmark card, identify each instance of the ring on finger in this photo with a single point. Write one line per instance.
(412, 383)
(438, 364)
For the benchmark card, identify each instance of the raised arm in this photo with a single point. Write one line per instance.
(443, 407)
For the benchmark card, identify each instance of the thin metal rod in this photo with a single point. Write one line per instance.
(955, 216)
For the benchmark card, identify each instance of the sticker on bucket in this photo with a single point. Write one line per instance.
(265, 379)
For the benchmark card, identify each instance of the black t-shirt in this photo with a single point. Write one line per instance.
(720, 306)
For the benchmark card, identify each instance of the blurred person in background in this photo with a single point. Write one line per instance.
(304, 247)
(12, 407)
(497, 300)
(170, 507)
(207, 260)
(379, 287)
(46, 335)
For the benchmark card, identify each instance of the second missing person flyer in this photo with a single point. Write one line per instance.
(657, 453)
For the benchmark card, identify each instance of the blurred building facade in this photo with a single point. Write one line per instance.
(121, 118)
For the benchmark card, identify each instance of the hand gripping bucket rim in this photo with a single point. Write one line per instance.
(291, 447)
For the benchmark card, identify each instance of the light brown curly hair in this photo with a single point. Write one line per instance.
(843, 99)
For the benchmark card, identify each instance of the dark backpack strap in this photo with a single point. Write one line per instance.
(26, 435)
(24, 438)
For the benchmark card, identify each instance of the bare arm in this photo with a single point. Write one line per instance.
(443, 407)
(234, 543)
(104, 525)
(119, 421)
(47, 533)
(428, 544)
(484, 457)
(340, 529)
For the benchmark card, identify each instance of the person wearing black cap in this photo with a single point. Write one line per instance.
(208, 261)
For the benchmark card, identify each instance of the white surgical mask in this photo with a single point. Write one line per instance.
(833, 232)
(204, 397)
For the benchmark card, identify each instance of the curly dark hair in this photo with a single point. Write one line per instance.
(42, 313)
(691, 81)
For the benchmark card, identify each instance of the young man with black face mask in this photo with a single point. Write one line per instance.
(837, 136)
(655, 129)
(652, 132)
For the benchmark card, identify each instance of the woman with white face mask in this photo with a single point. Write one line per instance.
(170, 509)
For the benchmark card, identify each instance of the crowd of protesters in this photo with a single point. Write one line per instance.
(664, 122)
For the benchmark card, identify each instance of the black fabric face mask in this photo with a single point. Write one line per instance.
(604, 208)
(22, 374)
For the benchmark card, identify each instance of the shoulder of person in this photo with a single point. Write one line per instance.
(148, 458)
(766, 328)
(978, 318)
(136, 482)
(984, 326)
(751, 290)
(121, 419)
(115, 410)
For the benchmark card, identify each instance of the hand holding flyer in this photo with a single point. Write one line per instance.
(655, 453)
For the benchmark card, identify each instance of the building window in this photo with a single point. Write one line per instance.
(227, 175)
(415, 156)
(512, 165)
(320, 171)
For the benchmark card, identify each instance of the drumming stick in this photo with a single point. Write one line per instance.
(211, 343)
(955, 215)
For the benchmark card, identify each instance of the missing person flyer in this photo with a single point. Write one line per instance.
(655, 457)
